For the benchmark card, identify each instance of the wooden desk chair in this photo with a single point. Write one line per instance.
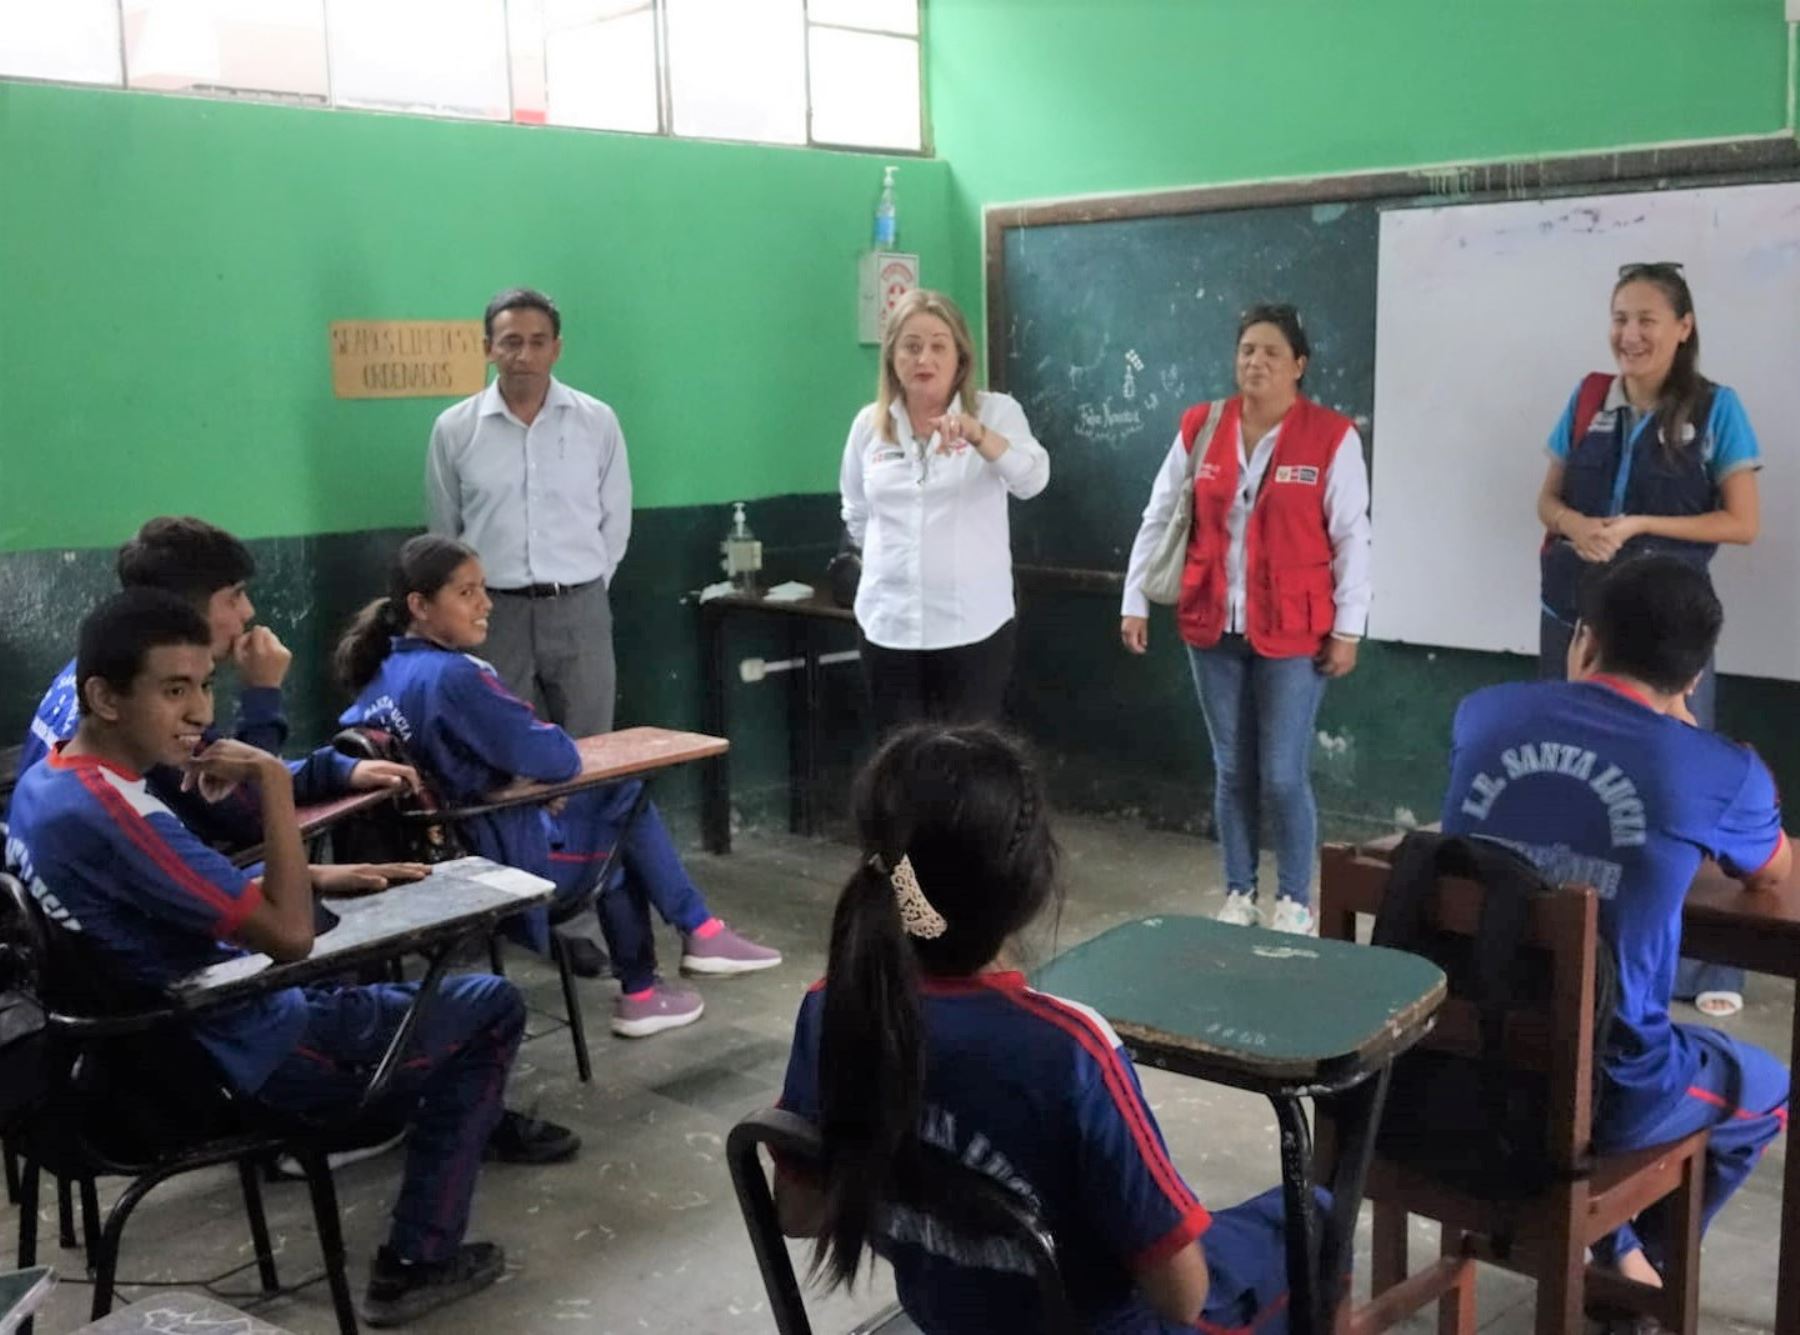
(1549, 1038)
(965, 1200)
(426, 831)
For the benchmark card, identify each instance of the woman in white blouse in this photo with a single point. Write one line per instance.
(926, 475)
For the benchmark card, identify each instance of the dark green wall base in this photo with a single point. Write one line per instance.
(1116, 734)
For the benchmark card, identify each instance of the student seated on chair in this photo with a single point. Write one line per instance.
(922, 1031)
(407, 659)
(107, 859)
(210, 569)
(1605, 780)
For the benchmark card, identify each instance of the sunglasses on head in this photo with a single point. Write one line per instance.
(1650, 269)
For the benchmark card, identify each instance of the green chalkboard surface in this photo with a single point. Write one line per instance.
(1111, 328)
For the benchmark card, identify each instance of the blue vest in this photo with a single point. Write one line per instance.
(1609, 471)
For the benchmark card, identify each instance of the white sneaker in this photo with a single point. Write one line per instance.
(1292, 916)
(1239, 910)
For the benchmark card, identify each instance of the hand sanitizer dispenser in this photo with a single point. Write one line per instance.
(743, 553)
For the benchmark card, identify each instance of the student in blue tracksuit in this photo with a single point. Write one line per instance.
(108, 859)
(210, 568)
(1607, 781)
(921, 1031)
(406, 658)
(1655, 459)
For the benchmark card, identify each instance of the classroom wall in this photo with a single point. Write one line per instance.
(1064, 97)
(168, 267)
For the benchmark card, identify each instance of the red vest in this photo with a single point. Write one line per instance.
(1288, 590)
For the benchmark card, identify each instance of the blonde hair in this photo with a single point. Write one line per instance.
(888, 390)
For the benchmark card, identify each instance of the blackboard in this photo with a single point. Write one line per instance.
(1106, 317)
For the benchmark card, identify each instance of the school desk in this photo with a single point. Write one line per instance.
(180, 1314)
(460, 901)
(1723, 923)
(317, 821)
(1288, 1017)
(806, 622)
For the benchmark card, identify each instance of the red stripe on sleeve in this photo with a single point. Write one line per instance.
(153, 846)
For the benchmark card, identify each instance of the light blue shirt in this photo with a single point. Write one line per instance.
(548, 503)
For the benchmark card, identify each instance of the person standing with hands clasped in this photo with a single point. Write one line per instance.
(1654, 459)
(926, 475)
(1273, 595)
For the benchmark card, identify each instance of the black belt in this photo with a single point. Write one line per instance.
(545, 590)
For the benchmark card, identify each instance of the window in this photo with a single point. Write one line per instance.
(842, 73)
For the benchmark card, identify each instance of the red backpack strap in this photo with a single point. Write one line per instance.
(1191, 422)
(1589, 399)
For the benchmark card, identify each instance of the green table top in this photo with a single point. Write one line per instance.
(1249, 1007)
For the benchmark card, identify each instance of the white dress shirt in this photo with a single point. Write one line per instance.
(548, 503)
(932, 525)
(1346, 525)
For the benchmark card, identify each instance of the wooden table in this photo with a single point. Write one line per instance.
(805, 621)
(608, 757)
(317, 820)
(1723, 923)
(180, 1314)
(1285, 1016)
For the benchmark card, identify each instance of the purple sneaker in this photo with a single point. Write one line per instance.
(667, 1006)
(725, 952)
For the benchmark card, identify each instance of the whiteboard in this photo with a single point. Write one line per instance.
(1488, 315)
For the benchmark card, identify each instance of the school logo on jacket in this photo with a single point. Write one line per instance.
(1207, 471)
(1304, 474)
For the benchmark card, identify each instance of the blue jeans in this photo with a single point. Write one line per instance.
(452, 1084)
(1692, 977)
(1259, 715)
(647, 873)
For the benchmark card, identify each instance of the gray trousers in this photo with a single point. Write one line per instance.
(557, 655)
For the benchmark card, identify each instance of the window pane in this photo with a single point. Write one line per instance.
(888, 15)
(442, 56)
(602, 73)
(737, 69)
(865, 89)
(76, 41)
(261, 46)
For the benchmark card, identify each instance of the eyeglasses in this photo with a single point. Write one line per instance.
(1650, 269)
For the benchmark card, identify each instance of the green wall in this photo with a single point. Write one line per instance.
(169, 267)
(1066, 97)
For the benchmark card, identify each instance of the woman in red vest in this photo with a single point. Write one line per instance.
(1274, 597)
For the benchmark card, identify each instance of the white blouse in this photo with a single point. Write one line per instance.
(932, 525)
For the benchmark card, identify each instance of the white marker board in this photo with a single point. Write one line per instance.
(1488, 315)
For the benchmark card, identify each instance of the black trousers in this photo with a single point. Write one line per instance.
(966, 684)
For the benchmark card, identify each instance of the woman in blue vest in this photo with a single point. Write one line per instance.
(1654, 459)
(1274, 597)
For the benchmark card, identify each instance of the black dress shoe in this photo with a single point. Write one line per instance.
(586, 959)
(518, 1138)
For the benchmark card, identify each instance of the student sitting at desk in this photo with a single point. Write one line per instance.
(209, 568)
(921, 1030)
(406, 657)
(110, 861)
(1605, 780)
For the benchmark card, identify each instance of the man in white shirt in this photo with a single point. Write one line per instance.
(533, 476)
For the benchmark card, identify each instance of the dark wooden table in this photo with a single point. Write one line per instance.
(316, 821)
(1289, 1017)
(180, 1314)
(805, 620)
(1723, 923)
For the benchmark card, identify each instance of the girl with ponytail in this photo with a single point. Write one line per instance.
(923, 1031)
(406, 657)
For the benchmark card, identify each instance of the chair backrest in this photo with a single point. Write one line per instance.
(1549, 1034)
(965, 1200)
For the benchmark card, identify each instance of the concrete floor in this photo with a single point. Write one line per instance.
(642, 1233)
